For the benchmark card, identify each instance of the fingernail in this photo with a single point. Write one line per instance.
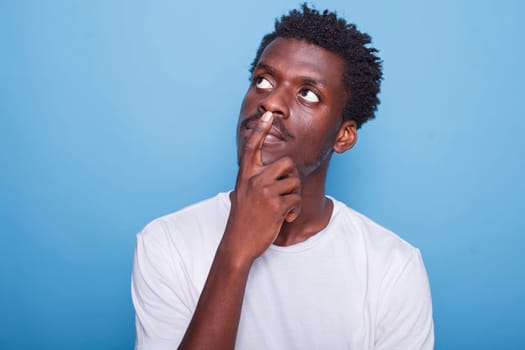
(266, 116)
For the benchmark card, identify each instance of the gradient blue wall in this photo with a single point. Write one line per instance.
(116, 112)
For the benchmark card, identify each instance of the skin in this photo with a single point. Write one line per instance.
(290, 124)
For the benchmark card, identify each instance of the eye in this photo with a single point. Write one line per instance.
(309, 95)
(263, 83)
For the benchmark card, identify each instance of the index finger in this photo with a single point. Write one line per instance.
(253, 146)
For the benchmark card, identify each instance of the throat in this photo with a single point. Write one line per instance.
(310, 221)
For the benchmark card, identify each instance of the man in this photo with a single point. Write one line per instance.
(275, 264)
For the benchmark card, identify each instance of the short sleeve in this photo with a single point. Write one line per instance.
(160, 290)
(405, 311)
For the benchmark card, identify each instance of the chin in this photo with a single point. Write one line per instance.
(273, 151)
(268, 158)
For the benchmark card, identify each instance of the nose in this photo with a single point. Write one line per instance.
(276, 101)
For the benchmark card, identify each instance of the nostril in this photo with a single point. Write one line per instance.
(279, 114)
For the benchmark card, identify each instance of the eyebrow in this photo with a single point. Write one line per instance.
(310, 81)
(304, 79)
(266, 67)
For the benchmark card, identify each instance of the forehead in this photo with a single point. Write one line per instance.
(298, 57)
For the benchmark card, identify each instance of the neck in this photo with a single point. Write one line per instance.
(315, 213)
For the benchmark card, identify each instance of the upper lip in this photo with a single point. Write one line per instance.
(275, 131)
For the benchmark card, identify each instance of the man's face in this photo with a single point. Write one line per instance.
(301, 84)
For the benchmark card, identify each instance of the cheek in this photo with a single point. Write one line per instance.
(321, 124)
(244, 112)
(248, 101)
(321, 135)
(243, 104)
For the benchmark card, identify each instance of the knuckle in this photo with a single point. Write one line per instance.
(288, 161)
(250, 144)
(293, 184)
(253, 181)
(285, 162)
(265, 191)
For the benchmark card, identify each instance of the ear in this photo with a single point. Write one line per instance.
(346, 136)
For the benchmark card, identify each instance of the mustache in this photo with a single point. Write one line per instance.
(277, 122)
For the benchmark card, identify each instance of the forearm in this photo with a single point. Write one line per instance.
(216, 318)
(265, 195)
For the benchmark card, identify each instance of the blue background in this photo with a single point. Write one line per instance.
(115, 112)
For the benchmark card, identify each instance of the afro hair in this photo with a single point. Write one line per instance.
(363, 72)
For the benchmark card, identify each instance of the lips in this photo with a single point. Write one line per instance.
(274, 132)
(273, 136)
(277, 132)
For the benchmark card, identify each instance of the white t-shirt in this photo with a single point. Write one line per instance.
(354, 285)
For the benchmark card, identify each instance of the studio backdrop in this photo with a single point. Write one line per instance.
(113, 113)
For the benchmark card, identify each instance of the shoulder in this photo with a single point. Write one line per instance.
(381, 245)
(396, 279)
(189, 224)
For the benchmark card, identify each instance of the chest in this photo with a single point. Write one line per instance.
(315, 300)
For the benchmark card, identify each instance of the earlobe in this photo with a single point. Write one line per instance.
(346, 136)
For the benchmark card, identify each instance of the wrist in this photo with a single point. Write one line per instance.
(232, 259)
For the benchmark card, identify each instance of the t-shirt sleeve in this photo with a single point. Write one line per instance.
(405, 313)
(160, 289)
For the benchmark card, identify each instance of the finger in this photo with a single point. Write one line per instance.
(293, 205)
(293, 214)
(281, 168)
(289, 185)
(253, 146)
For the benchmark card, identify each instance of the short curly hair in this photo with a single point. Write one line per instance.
(363, 73)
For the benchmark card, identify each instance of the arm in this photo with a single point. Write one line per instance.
(405, 316)
(264, 197)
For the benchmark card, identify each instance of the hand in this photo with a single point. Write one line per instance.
(265, 196)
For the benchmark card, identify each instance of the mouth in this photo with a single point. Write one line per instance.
(274, 134)
(277, 133)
